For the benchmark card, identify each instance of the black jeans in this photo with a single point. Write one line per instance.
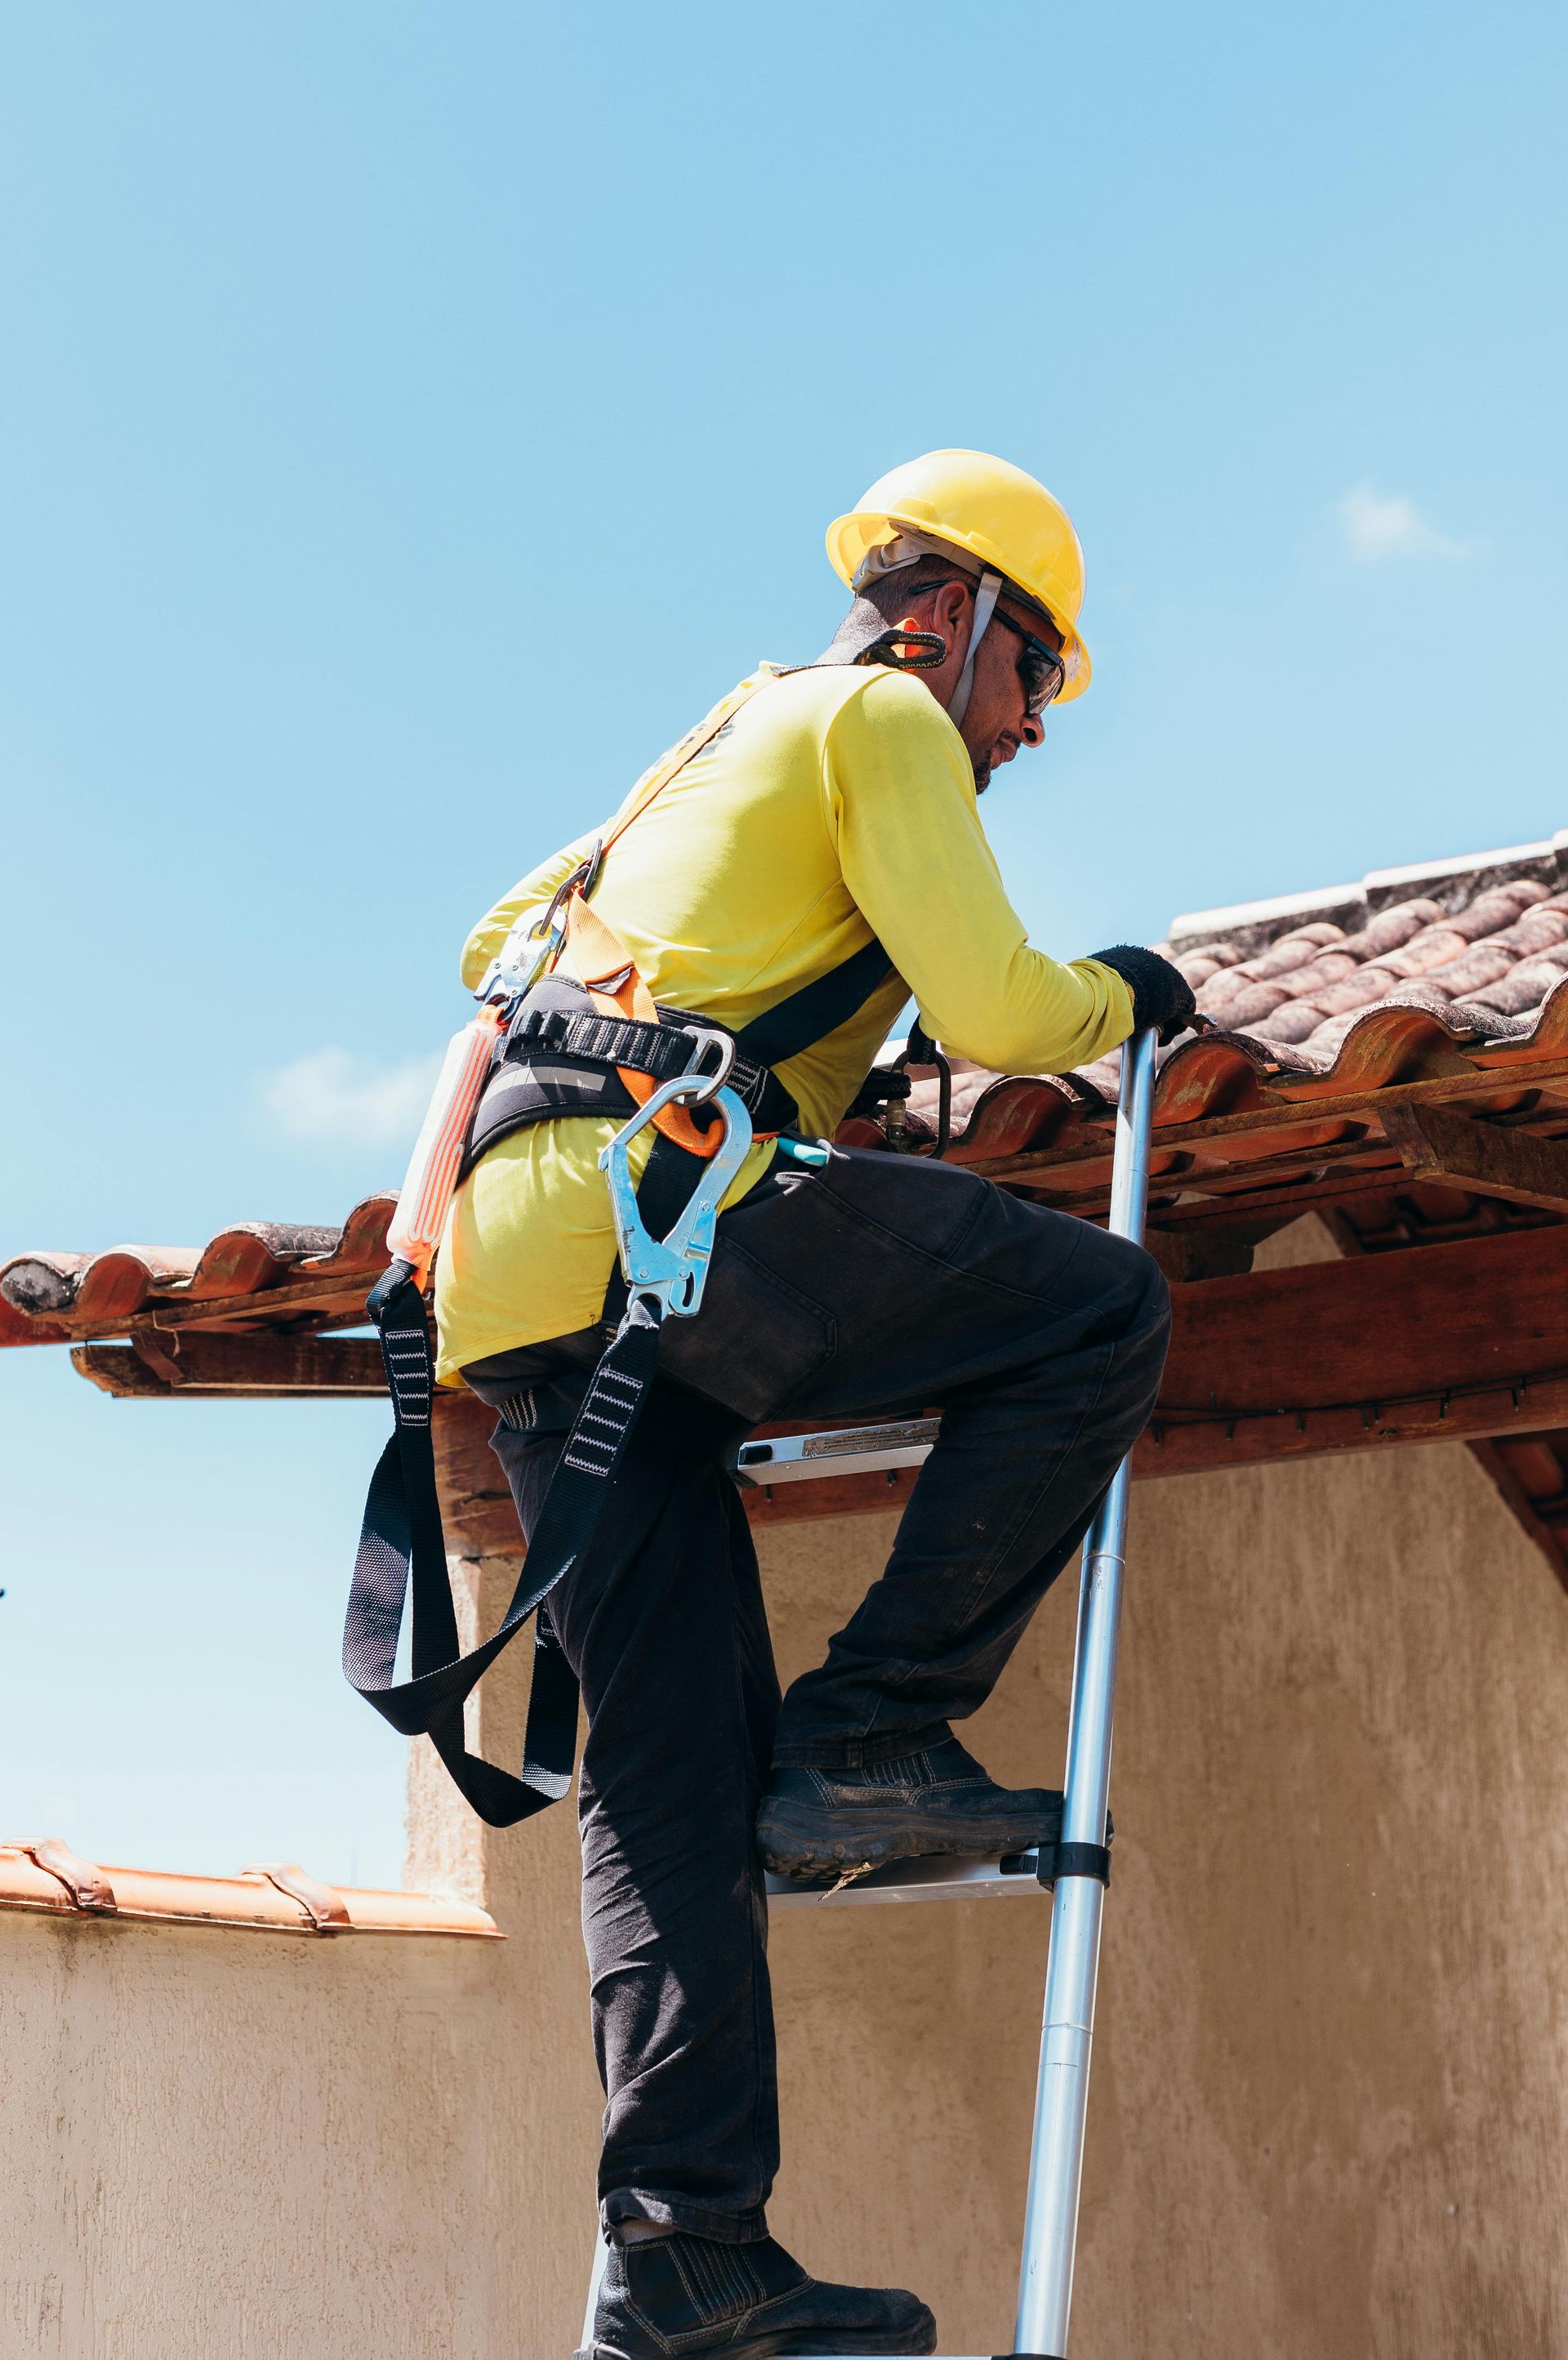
(874, 1284)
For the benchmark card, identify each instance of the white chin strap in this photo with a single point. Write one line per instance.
(986, 598)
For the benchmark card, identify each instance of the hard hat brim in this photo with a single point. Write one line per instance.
(850, 537)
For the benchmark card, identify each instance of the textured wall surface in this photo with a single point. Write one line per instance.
(1331, 2080)
(223, 2143)
(221, 2146)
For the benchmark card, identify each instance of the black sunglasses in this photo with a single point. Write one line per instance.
(1040, 669)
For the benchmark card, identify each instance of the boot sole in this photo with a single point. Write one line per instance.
(894, 2345)
(799, 1842)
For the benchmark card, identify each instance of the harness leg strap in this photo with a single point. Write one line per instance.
(402, 1545)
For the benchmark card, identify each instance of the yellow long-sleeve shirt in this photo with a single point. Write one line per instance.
(834, 805)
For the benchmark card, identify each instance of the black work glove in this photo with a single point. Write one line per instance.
(1162, 996)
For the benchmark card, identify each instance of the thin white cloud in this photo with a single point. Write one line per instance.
(334, 1099)
(1379, 525)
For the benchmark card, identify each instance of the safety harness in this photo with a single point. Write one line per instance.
(566, 1026)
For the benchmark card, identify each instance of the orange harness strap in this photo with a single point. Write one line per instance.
(601, 962)
(654, 781)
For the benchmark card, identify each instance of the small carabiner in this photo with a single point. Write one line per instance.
(688, 1088)
(704, 1038)
(528, 954)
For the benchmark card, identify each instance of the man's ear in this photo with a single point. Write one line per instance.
(949, 608)
(944, 613)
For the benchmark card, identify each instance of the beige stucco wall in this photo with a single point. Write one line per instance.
(215, 2144)
(1331, 2084)
(231, 2145)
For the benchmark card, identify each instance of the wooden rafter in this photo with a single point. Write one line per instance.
(232, 1368)
(1530, 1472)
(1442, 1343)
(1435, 1144)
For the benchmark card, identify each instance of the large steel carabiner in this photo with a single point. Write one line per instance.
(671, 1272)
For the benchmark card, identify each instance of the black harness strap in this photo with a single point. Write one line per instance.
(660, 1050)
(401, 1543)
(402, 1540)
(560, 1057)
(818, 1008)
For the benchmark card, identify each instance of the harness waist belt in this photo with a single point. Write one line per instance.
(560, 1056)
(662, 1050)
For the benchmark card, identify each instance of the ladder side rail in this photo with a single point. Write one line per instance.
(1056, 2159)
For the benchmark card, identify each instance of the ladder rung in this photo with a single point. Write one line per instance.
(966, 1878)
(848, 1450)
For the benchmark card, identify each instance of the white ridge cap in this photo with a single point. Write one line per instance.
(1463, 874)
(1463, 864)
(1260, 913)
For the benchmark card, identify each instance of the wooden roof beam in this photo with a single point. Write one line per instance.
(1435, 1144)
(1451, 1343)
(190, 1366)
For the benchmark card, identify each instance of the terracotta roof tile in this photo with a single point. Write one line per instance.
(1482, 953)
(46, 1875)
(1451, 980)
(49, 1297)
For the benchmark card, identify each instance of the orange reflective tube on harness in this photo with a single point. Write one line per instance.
(428, 1185)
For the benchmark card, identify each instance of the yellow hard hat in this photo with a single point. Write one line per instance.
(1002, 518)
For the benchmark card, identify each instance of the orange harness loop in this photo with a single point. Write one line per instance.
(601, 962)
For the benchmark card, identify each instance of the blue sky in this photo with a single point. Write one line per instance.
(414, 418)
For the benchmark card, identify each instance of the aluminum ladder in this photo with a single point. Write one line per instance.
(1061, 2096)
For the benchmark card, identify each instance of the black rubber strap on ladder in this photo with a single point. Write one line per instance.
(401, 1546)
(1075, 1860)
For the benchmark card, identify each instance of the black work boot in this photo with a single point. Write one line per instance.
(682, 2298)
(818, 1822)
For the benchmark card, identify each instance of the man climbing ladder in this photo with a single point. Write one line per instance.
(727, 957)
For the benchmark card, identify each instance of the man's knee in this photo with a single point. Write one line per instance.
(1139, 1314)
(1147, 1281)
(1125, 1284)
